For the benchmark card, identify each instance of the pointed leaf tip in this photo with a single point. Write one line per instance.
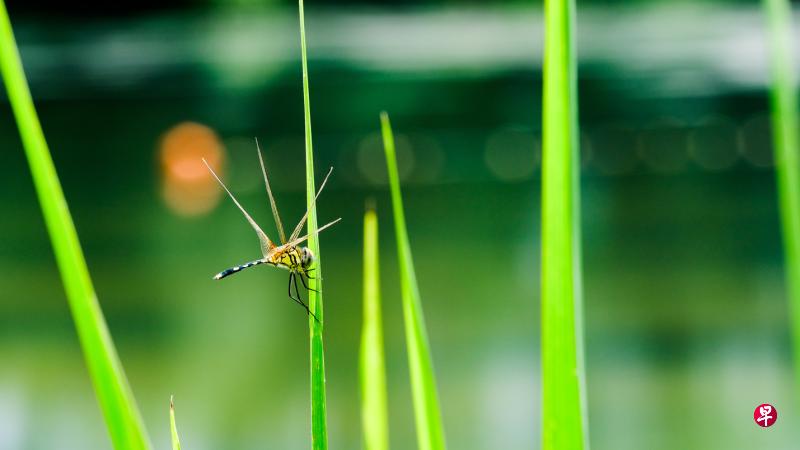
(176, 444)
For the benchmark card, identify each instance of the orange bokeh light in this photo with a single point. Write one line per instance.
(187, 186)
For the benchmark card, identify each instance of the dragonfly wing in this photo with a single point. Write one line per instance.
(299, 226)
(272, 204)
(302, 239)
(266, 243)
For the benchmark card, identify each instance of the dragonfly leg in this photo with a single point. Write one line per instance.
(303, 280)
(293, 280)
(296, 299)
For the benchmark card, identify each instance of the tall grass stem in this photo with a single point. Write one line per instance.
(319, 427)
(119, 409)
(563, 408)
(786, 137)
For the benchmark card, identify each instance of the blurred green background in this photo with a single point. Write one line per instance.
(685, 312)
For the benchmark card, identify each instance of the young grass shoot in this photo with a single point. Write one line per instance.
(372, 365)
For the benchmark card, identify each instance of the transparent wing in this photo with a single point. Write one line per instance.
(266, 244)
(271, 198)
(299, 226)
(299, 240)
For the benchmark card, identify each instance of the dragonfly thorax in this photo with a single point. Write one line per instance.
(296, 259)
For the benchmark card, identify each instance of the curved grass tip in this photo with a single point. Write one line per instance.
(430, 432)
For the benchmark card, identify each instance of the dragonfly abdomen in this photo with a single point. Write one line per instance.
(233, 270)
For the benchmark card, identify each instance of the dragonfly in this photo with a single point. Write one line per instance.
(289, 254)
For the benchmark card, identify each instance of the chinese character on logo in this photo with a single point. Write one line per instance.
(765, 415)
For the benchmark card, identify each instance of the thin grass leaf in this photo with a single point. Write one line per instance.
(319, 426)
(113, 393)
(784, 103)
(176, 443)
(430, 434)
(374, 412)
(563, 406)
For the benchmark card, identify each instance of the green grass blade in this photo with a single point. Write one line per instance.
(430, 434)
(374, 415)
(176, 443)
(784, 102)
(319, 426)
(563, 406)
(116, 401)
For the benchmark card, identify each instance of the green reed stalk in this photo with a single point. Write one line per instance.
(319, 427)
(374, 412)
(122, 417)
(430, 434)
(784, 103)
(563, 406)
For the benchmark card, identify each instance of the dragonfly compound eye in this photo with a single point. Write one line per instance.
(307, 258)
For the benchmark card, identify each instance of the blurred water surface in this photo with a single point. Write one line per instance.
(684, 307)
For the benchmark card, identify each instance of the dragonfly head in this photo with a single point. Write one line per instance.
(306, 257)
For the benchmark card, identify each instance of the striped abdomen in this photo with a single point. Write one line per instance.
(233, 270)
